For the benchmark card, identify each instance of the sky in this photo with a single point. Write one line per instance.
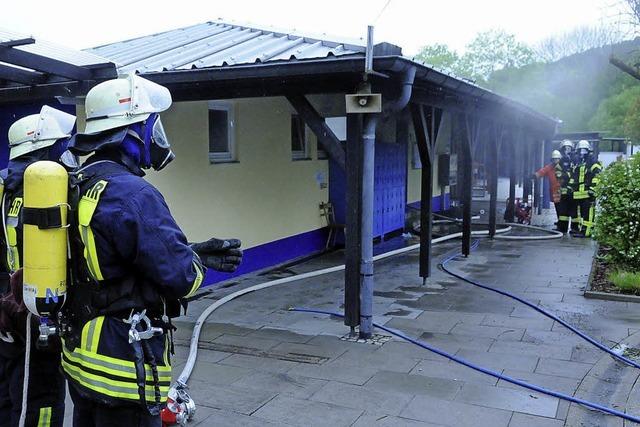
(407, 23)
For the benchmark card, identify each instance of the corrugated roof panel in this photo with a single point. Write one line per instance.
(160, 44)
(53, 51)
(215, 44)
(189, 53)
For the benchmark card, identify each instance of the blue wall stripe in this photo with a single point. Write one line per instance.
(274, 253)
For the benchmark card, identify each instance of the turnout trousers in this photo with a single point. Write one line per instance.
(89, 413)
(46, 395)
(563, 210)
(587, 208)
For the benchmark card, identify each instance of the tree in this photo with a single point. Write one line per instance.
(619, 114)
(440, 56)
(576, 41)
(633, 11)
(494, 50)
(489, 51)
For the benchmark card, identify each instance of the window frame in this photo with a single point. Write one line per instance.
(230, 155)
(305, 153)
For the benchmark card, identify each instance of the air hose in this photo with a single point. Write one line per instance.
(536, 308)
(494, 374)
(25, 379)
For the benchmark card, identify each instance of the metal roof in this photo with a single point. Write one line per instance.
(216, 44)
(51, 50)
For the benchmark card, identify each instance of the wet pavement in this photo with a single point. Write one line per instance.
(261, 364)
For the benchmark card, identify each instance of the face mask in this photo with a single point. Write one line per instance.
(584, 152)
(160, 154)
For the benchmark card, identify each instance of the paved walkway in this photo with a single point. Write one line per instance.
(260, 364)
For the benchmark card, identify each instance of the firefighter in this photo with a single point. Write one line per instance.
(564, 169)
(553, 172)
(42, 136)
(583, 181)
(132, 262)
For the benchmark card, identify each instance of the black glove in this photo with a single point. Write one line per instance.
(221, 255)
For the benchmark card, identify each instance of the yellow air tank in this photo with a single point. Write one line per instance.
(45, 237)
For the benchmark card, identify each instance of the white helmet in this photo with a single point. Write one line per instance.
(566, 143)
(584, 144)
(555, 154)
(123, 101)
(38, 131)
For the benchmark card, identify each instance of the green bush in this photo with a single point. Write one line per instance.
(626, 280)
(617, 222)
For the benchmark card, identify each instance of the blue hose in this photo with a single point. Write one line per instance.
(537, 308)
(487, 371)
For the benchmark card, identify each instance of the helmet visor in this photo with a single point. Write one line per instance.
(147, 96)
(54, 124)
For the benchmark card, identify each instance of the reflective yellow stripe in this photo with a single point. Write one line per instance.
(581, 194)
(44, 417)
(113, 366)
(13, 254)
(581, 178)
(91, 334)
(198, 281)
(112, 388)
(564, 218)
(86, 209)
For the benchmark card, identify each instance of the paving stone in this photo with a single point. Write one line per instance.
(306, 349)
(563, 410)
(580, 416)
(232, 398)
(452, 371)
(525, 420)
(206, 416)
(455, 414)
(212, 330)
(347, 374)
(562, 368)
(558, 351)
(396, 348)
(259, 363)
(218, 374)
(451, 343)
(554, 382)
(283, 383)
(336, 344)
(440, 388)
(246, 342)
(495, 332)
(355, 397)
(306, 413)
(544, 324)
(380, 361)
(524, 401)
(552, 337)
(377, 420)
(498, 361)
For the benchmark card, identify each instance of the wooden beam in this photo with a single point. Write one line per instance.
(19, 75)
(18, 42)
(43, 64)
(316, 123)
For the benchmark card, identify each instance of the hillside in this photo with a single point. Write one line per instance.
(574, 87)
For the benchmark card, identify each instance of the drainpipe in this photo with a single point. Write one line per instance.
(366, 262)
(368, 179)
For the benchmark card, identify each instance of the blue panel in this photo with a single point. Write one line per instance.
(9, 114)
(390, 182)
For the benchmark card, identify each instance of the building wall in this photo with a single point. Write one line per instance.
(414, 175)
(263, 197)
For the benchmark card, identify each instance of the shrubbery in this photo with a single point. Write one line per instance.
(617, 223)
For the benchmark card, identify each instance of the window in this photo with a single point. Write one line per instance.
(338, 126)
(299, 139)
(221, 133)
